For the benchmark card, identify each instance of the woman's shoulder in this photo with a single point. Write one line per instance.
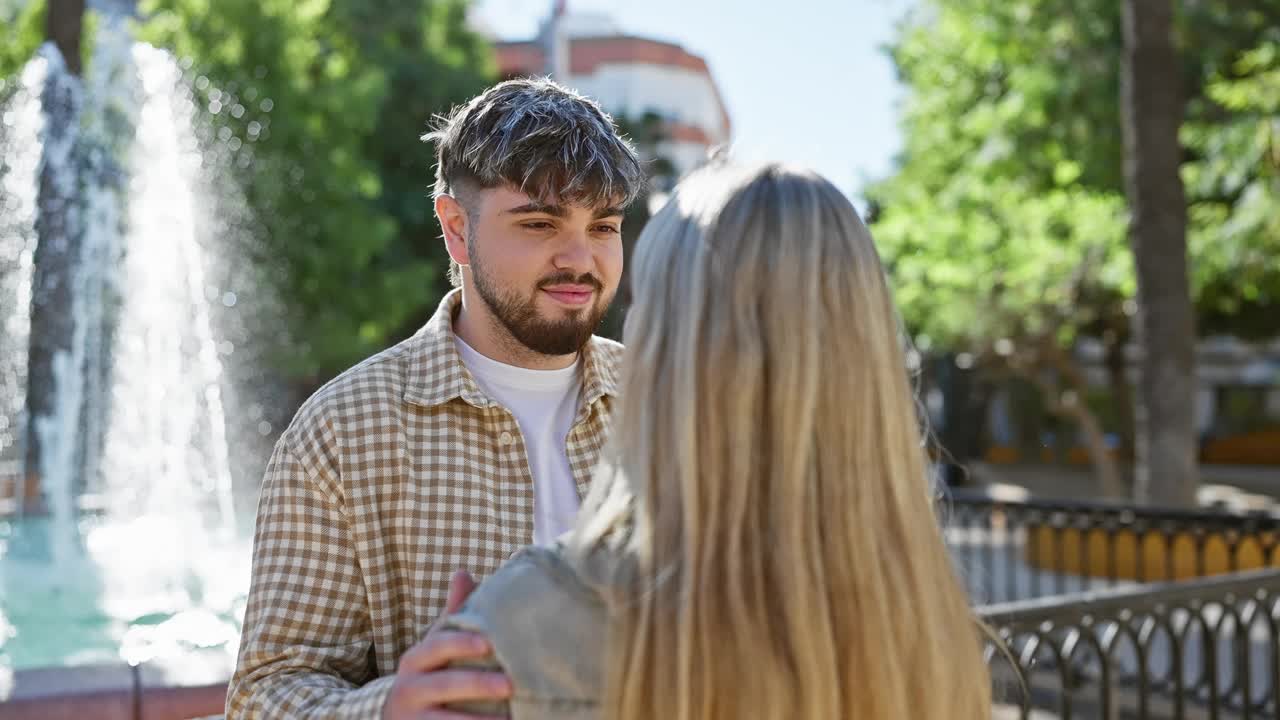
(532, 574)
(547, 627)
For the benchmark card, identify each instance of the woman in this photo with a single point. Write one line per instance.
(761, 541)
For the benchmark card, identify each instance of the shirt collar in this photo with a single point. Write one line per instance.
(437, 374)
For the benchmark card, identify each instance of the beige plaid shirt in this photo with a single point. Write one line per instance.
(389, 478)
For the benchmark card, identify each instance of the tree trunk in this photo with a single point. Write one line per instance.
(1152, 107)
(64, 22)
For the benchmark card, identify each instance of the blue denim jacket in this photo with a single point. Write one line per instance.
(548, 631)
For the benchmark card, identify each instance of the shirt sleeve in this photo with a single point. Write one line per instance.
(306, 646)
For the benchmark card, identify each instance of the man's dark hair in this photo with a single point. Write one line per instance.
(535, 135)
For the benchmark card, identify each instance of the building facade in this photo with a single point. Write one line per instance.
(631, 77)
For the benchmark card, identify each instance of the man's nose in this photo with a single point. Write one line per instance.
(574, 254)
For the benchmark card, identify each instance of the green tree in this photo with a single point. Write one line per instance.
(432, 62)
(1004, 225)
(325, 101)
(1234, 180)
(21, 33)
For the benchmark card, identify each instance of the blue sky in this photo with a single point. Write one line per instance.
(806, 81)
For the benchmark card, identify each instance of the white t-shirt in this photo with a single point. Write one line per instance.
(544, 403)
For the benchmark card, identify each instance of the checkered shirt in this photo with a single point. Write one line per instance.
(389, 478)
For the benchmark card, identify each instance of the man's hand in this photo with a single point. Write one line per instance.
(422, 687)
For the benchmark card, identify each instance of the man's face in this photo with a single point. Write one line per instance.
(547, 271)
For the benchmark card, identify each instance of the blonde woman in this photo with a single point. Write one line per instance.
(760, 542)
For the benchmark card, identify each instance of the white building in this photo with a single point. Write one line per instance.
(629, 76)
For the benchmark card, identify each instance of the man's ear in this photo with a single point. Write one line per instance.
(453, 221)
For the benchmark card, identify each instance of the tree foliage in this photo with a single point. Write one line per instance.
(21, 33)
(1010, 181)
(1006, 183)
(1004, 224)
(1234, 178)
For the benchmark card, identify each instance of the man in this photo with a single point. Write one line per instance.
(456, 447)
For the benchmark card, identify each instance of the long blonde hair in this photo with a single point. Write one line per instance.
(774, 550)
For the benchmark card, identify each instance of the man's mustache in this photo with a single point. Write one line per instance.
(570, 279)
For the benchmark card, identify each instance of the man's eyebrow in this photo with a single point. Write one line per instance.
(538, 207)
(608, 212)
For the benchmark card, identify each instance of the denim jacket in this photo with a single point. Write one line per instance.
(548, 631)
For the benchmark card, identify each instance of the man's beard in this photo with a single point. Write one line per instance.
(521, 319)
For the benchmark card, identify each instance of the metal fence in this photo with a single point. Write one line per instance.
(1014, 550)
(1120, 611)
(1205, 648)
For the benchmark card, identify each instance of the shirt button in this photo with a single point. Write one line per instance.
(505, 438)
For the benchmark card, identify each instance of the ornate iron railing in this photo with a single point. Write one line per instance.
(1010, 550)
(1204, 648)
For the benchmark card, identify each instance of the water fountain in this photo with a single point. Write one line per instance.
(140, 346)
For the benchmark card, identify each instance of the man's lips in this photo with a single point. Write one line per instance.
(570, 294)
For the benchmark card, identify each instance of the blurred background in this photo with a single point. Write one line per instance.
(209, 209)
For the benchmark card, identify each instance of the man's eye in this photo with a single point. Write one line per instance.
(607, 229)
(538, 225)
